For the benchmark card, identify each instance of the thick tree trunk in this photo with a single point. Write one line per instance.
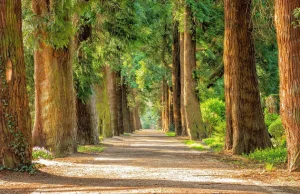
(15, 122)
(125, 109)
(194, 123)
(119, 102)
(113, 99)
(163, 107)
(167, 108)
(246, 130)
(103, 108)
(87, 121)
(55, 120)
(176, 80)
(289, 58)
(171, 111)
(183, 119)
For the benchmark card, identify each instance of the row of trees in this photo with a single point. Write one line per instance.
(98, 65)
(71, 104)
(245, 127)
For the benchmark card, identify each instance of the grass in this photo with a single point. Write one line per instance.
(171, 134)
(270, 156)
(90, 149)
(214, 143)
(194, 145)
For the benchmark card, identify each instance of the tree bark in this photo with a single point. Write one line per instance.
(171, 111)
(125, 109)
(183, 120)
(194, 123)
(15, 122)
(55, 119)
(176, 80)
(246, 130)
(289, 57)
(87, 121)
(119, 102)
(113, 99)
(103, 107)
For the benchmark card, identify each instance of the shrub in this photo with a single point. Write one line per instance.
(213, 113)
(270, 155)
(38, 153)
(90, 148)
(277, 131)
(270, 118)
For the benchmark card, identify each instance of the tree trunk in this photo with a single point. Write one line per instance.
(113, 99)
(167, 108)
(119, 102)
(55, 120)
(15, 122)
(87, 120)
(183, 119)
(176, 80)
(103, 107)
(289, 57)
(246, 130)
(125, 109)
(171, 111)
(194, 123)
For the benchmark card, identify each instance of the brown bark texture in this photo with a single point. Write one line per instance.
(184, 132)
(15, 122)
(55, 117)
(246, 130)
(289, 58)
(125, 109)
(171, 110)
(87, 122)
(194, 122)
(113, 99)
(119, 102)
(176, 80)
(103, 108)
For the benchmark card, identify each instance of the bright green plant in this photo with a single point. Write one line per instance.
(276, 129)
(270, 155)
(90, 149)
(38, 153)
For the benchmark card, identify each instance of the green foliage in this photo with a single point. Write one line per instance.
(215, 143)
(276, 129)
(171, 134)
(194, 145)
(38, 153)
(30, 169)
(90, 149)
(269, 156)
(270, 118)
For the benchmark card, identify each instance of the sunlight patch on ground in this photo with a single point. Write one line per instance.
(112, 159)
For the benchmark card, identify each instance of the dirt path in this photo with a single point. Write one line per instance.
(146, 162)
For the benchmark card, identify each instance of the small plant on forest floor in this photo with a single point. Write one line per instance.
(90, 148)
(194, 145)
(30, 169)
(101, 138)
(171, 134)
(214, 143)
(270, 156)
(38, 153)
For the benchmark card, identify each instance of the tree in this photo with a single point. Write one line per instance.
(288, 45)
(55, 124)
(176, 80)
(246, 130)
(15, 122)
(194, 123)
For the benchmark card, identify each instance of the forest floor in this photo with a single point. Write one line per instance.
(149, 162)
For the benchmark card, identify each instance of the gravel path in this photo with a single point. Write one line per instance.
(146, 162)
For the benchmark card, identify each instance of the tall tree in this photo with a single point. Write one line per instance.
(246, 130)
(194, 123)
(113, 99)
(15, 122)
(176, 80)
(119, 102)
(55, 120)
(288, 44)
(183, 121)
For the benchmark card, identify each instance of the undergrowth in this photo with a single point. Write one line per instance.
(90, 148)
(270, 156)
(171, 134)
(194, 145)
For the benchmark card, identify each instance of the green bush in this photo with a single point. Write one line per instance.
(90, 148)
(270, 118)
(276, 129)
(215, 143)
(213, 113)
(270, 155)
